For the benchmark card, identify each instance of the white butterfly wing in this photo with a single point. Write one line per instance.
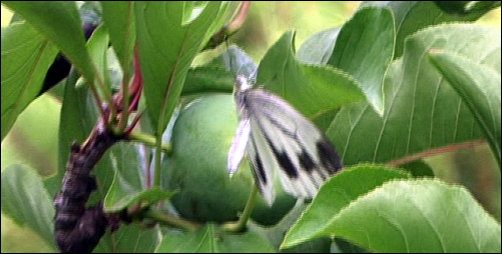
(238, 147)
(282, 140)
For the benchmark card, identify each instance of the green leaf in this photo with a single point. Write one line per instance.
(211, 239)
(129, 239)
(219, 21)
(425, 216)
(336, 195)
(409, 18)
(311, 89)
(122, 194)
(208, 79)
(120, 20)
(60, 23)
(78, 116)
(422, 111)
(27, 56)
(98, 46)
(364, 49)
(479, 87)
(25, 200)
(418, 168)
(317, 49)
(167, 47)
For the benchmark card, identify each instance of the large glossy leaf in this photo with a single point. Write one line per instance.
(479, 86)
(421, 110)
(364, 49)
(317, 49)
(336, 195)
(168, 42)
(312, 89)
(412, 16)
(60, 23)
(416, 216)
(26, 57)
(210, 239)
(119, 17)
(25, 200)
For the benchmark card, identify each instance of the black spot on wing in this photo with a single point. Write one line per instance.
(284, 161)
(259, 170)
(306, 161)
(328, 155)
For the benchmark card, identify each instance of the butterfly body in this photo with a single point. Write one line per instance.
(280, 141)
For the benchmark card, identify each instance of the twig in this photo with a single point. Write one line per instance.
(76, 228)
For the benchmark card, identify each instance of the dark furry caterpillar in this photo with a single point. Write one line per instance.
(78, 229)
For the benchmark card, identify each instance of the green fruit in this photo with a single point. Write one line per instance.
(197, 168)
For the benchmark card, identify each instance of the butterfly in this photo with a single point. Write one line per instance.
(279, 140)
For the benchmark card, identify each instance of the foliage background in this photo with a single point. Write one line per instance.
(33, 139)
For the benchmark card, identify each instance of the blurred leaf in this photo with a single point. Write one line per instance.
(319, 245)
(275, 234)
(317, 49)
(342, 246)
(323, 120)
(208, 79)
(98, 46)
(421, 112)
(78, 116)
(119, 17)
(130, 239)
(167, 47)
(219, 74)
(25, 200)
(335, 196)
(419, 216)
(364, 49)
(479, 87)
(211, 239)
(219, 21)
(312, 89)
(413, 16)
(418, 168)
(122, 195)
(463, 8)
(27, 56)
(236, 62)
(59, 22)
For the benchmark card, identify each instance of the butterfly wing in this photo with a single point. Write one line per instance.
(282, 140)
(238, 147)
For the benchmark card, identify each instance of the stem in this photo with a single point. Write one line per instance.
(169, 220)
(240, 225)
(106, 94)
(157, 170)
(149, 140)
(241, 16)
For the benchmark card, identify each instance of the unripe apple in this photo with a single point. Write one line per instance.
(197, 168)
